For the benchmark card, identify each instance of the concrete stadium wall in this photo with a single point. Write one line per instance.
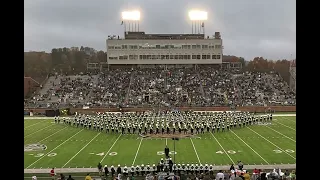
(244, 108)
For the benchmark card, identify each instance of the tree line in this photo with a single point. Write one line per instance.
(71, 60)
(74, 60)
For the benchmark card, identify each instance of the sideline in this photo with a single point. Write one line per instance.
(35, 117)
(87, 170)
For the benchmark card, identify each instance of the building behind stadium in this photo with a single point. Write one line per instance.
(139, 49)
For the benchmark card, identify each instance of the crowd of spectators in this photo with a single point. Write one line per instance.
(256, 174)
(161, 87)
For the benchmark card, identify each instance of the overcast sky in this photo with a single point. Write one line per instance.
(249, 28)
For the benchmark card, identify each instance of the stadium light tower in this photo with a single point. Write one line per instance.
(130, 19)
(197, 20)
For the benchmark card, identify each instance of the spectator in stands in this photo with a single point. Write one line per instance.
(175, 87)
(62, 177)
(286, 173)
(246, 175)
(293, 174)
(241, 175)
(119, 176)
(88, 177)
(234, 176)
(70, 178)
(34, 177)
(220, 175)
(226, 175)
(263, 175)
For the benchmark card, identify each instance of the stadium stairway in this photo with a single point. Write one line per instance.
(94, 81)
(201, 86)
(48, 85)
(128, 90)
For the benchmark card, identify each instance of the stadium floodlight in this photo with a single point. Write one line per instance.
(196, 15)
(131, 15)
(197, 18)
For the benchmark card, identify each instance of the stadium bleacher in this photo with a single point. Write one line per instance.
(177, 87)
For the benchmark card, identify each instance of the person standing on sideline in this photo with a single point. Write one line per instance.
(240, 165)
(52, 173)
(106, 171)
(166, 151)
(231, 167)
(100, 169)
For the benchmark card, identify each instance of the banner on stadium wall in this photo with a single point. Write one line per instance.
(64, 112)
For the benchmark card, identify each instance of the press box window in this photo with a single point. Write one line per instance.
(204, 56)
(214, 56)
(194, 56)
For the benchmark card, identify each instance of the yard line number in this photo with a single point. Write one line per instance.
(280, 151)
(42, 154)
(161, 153)
(110, 154)
(230, 152)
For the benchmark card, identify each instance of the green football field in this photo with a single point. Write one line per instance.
(73, 147)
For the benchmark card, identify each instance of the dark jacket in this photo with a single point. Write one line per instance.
(166, 150)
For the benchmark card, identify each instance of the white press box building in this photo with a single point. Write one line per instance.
(142, 49)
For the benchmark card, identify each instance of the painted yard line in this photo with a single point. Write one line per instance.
(288, 119)
(32, 125)
(52, 134)
(222, 148)
(272, 143)
(195, 150)
(38, 131)
(250, 147)
(284, 125)
(54, 149)
(81, 150)
(110, 148)
(135, 157)
(166, 141)
(281, 134)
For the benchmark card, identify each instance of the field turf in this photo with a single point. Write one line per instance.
(75, 147)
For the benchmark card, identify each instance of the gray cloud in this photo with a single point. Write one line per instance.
(249, 28)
